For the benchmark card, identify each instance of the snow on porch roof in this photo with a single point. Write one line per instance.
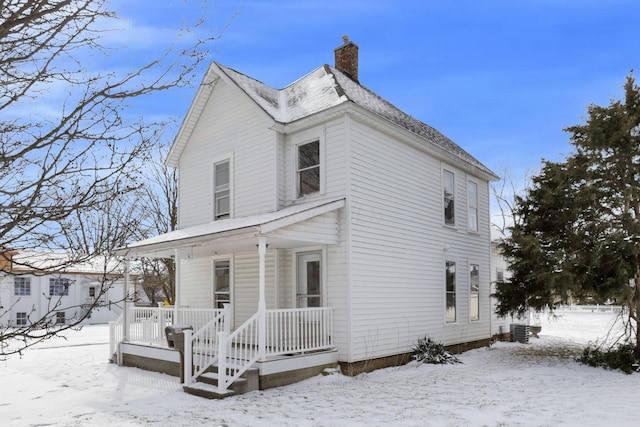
(261, 224)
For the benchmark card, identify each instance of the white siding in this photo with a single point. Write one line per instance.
(337, 296)
(230, 125)
(398, 248)
(246, 277)
(196, 283)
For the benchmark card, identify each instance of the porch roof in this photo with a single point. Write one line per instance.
(299, 225)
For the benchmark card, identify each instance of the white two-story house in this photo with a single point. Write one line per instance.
(320, 225)
(36, 291)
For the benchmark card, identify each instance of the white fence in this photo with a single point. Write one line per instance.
(597, 308)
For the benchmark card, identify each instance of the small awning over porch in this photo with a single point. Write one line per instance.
(305, 224)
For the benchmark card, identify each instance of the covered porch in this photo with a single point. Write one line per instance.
(225, 337)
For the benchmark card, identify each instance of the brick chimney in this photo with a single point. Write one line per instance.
(347, 58)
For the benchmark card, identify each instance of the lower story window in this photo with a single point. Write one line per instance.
(21, 318)
(60, 317)
(450, 274)
(474, 292)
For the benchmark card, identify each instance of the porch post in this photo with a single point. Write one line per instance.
(176, 296)
(262, 305)
(125, 299)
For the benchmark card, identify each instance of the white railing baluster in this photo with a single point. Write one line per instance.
(222, 362)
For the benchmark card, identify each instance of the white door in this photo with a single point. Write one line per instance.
(309, 287)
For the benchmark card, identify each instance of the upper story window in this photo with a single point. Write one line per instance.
(308, 170)
(22, 286)
(58, 287)
(472, 201)
(221, 190)
(448, 186)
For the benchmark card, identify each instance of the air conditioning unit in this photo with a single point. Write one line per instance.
(519, 333)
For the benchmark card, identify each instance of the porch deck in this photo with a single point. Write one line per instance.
(280, 343)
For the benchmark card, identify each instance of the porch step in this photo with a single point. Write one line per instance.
(207, 384)
(207, 391)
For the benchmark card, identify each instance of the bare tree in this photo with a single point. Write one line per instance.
(505, 193)
(71, 145)
(159, 202)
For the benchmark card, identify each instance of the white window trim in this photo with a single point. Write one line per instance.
(323, 266)
(479, 264)
(67, 287)
(455, 195)
(212, 299)
(22, 322)
(27, 281)
(212, 174)
(305, 137)
(477, 206)
(457, 290)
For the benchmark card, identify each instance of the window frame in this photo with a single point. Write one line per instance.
(54, 286)
(22, 289)
(21, 318)
(295, 140)
(474, 294)
(61, 318)
(300, 170)
(228, 187)
(214, 291)
(450, 292)
(296, 254)
(449, 222)
(473, 219)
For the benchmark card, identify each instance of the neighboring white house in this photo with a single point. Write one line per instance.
(324, 216)
(28, 294)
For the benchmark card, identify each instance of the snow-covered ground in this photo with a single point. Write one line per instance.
(70, 383)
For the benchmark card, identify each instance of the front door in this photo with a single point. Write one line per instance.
(309, 286)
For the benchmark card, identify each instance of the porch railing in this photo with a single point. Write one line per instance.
(299, 330)
(288, 331)
(147, 324)
(115, 335)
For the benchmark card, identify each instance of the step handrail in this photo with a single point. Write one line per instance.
(201, 346)
(240, 347)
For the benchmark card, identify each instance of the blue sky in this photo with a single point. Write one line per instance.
(500, 78)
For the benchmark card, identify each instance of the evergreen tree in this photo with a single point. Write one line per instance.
(577, 229)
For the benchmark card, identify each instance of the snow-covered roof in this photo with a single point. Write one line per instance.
(234, 228)
(63, 263)
(326, 87)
